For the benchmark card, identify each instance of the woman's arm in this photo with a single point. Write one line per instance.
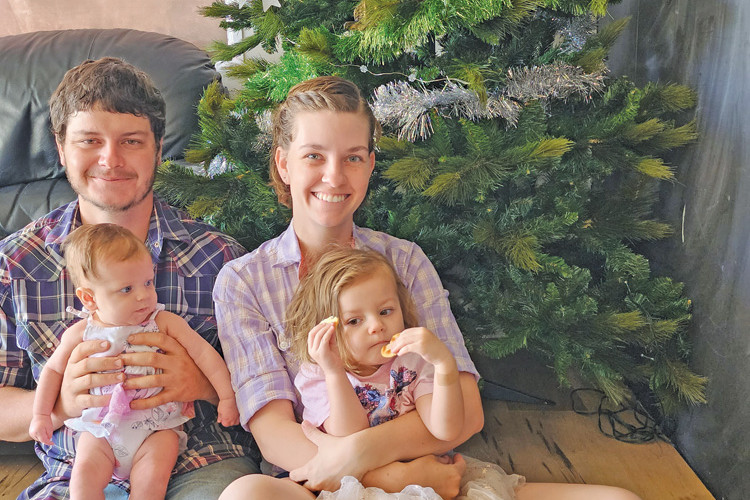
(404, 438)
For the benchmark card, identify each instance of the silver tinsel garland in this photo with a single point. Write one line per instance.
(399, 106)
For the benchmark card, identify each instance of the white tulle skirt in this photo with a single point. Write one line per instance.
(481, 481)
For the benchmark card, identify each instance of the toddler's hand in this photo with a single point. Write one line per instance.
(423, 342)
(321, 344)
(229, 415)
(41, 429)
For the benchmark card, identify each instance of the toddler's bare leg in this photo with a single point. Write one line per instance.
(153, 464)
(92, 468)
(258, 486)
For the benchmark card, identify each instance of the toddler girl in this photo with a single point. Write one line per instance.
(370, 362)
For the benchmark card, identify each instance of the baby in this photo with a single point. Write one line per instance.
(114, 278)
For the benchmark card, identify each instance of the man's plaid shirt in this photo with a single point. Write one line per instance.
(35, 290)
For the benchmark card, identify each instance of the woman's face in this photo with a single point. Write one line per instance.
(327, 167)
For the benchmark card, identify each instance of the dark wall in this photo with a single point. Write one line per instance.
(706, 44)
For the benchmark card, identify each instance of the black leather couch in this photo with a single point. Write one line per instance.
(32, 181)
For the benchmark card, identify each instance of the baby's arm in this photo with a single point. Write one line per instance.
(346, 413)
(442, 411)
(207, 359)
(50, 381)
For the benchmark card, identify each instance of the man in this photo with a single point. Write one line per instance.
(108, 120)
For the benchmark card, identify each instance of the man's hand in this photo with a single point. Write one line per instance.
(337, 457)
(180, 377)
(81, 374)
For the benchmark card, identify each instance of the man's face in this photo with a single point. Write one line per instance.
(110, 159)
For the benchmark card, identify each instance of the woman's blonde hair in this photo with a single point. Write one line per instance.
(325, 93)
(317, 296)
(88, 248)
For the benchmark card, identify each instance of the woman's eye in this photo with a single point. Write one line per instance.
(354, 159)
(313, 156)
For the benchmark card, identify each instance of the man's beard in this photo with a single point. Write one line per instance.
(121, 208)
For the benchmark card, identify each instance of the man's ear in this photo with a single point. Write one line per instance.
(86, 296)
(60, 151)
(280, 160)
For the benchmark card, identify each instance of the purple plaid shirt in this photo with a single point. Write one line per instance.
(253, 292)
(35, 290)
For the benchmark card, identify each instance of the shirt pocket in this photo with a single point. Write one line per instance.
(39, 339)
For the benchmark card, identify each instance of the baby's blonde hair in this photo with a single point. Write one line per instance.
(317, 296)
(89, 247)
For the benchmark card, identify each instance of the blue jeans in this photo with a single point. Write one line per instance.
(205, 483)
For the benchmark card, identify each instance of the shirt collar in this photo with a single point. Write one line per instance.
(165, 224)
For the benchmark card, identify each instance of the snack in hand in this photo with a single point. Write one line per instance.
(331, 319)
(385, 351)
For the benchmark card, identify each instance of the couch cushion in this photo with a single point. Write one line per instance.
(34, 64)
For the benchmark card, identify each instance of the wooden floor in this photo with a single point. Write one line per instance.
(544, 443)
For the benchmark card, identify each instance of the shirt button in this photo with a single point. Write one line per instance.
(283, 345)
(50, 345)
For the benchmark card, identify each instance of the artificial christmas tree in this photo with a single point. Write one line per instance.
(523, 171)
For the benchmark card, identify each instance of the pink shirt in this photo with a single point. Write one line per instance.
(389, 392)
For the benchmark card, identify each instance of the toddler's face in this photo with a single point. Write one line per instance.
(125, 293)
(370, 314)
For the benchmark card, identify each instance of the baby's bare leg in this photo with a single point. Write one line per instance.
(258, 486)
(153, 464)
(92, 468)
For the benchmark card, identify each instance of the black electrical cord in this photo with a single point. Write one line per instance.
(611, 422)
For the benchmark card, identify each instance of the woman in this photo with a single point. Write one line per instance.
(321, 162)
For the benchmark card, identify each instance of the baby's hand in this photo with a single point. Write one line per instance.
(41, 429)
(229, 415)
(321, 344)
(423, 342)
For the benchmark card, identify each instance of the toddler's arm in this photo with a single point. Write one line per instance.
(346, 413)
(442, 411)
(50, 381)
(207, 359)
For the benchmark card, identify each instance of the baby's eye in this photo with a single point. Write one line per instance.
(387, 311)
(127, 289)
(149, 283)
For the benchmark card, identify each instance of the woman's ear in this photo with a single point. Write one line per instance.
(86, 296)
(280, 160)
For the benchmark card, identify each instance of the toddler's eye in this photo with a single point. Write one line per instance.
(386, 312)
(353, 321)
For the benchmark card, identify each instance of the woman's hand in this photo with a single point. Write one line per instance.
(180, 379)
(337, 457)
(82, 374)
(322, 347)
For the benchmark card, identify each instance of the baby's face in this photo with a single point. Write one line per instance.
(125, 293)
